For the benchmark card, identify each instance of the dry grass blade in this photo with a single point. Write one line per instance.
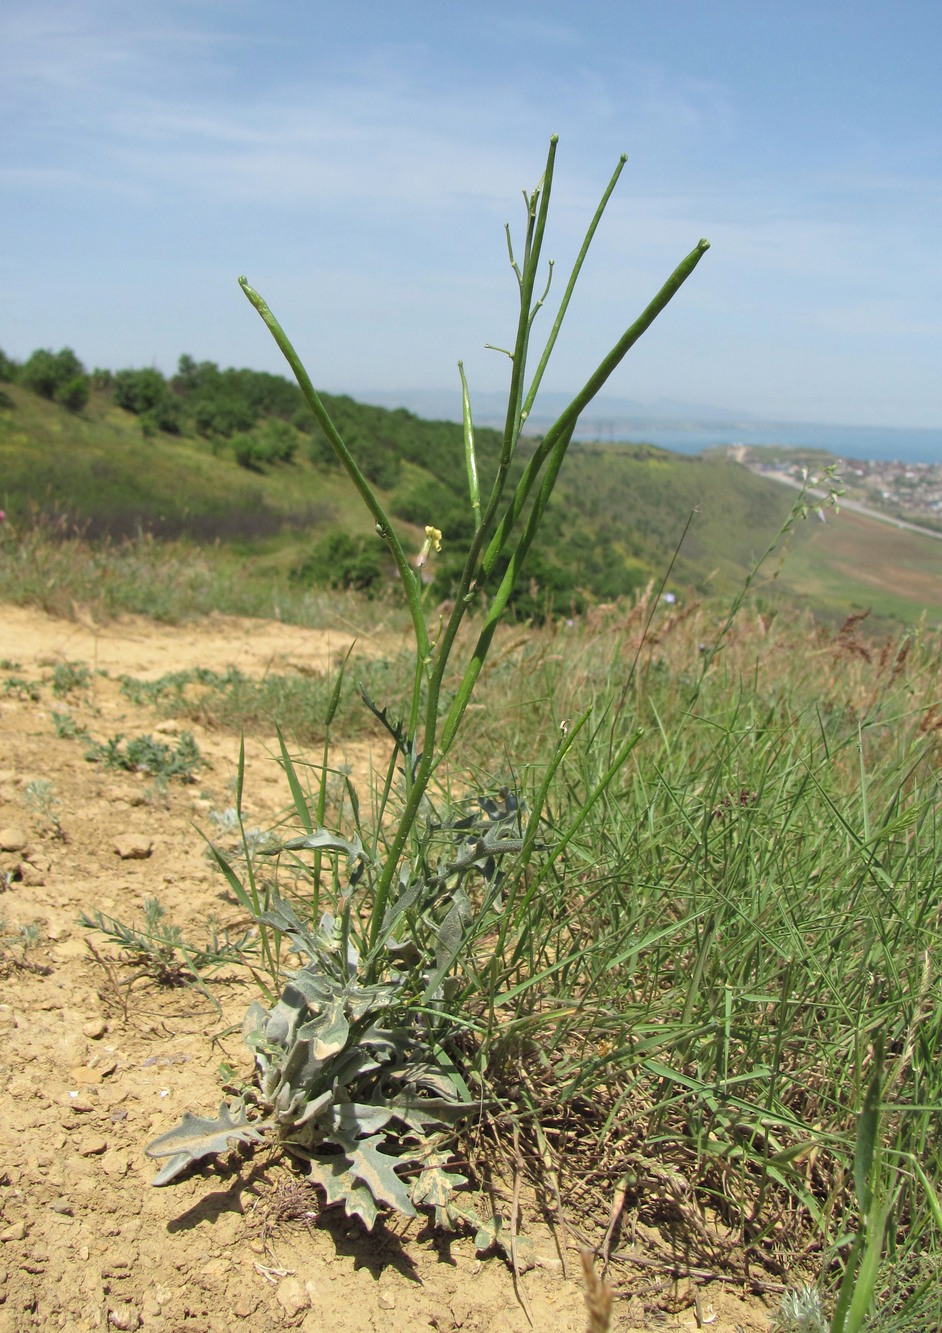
(548, 1166)
(514, 1220)
(598, 1296)
(618, 1204)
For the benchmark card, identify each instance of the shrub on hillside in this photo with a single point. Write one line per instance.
(248, 452)
(48, 374)
(273, 442)
(279, 440)
(429, 500)
(318, 446)
(146, 394)
(214, 415)
(343, 561)
(378, 460)
(228, 402)
(74, 393)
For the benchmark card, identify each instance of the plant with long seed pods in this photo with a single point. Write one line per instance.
(362, 1064)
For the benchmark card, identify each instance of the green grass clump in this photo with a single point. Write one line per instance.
(17, 944)
(232, 700)
(68, 677)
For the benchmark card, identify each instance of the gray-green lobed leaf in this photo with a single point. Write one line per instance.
(196, 1137)
(350, 1078)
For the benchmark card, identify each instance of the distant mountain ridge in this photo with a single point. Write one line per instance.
(489, 408)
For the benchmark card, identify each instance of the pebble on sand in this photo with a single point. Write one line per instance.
(133, 847)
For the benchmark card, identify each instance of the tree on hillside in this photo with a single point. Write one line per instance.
(146, 394)
(9, 370)
(230, 402)
(74, 393)
(59, 376)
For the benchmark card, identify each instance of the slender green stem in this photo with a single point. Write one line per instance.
(570, 288)
(470, 457)
(567, 420)
(492, 531)
(383, 526)
(498, 604)
(538, 206)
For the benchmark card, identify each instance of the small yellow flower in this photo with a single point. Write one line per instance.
(433, 542)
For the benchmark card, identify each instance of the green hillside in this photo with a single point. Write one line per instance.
(233, 457)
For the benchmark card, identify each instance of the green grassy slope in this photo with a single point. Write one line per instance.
(855, 563)
(99, 469)
(614, 525)
(641, 501)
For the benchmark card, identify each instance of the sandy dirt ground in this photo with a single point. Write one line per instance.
(93, 1069)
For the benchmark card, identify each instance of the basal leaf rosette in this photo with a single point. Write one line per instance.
(346, 1079)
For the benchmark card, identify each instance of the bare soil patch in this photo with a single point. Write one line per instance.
(89, 1077)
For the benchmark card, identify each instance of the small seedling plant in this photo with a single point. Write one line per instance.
(40, 797)
(144, 754)
(16, 944)
(159, 950)
(407, 933)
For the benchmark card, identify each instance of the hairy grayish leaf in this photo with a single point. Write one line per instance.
(196, 1137)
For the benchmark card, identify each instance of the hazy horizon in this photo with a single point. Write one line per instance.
(676, 425)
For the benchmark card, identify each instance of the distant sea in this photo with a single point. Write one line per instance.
(873, 442)
(684, 427)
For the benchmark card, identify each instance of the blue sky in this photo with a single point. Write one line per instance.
(358, 163)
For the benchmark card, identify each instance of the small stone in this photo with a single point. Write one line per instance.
(133, 847)
(95, 1028)
(387, 1300)
(115, 1164)
(15, 1231)
(13, 839)
(83, 1076)
(292, 1296)
(91, 1145)
(124, 1317)
(80, 1104)
(244, 1305)
(62, 1206)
